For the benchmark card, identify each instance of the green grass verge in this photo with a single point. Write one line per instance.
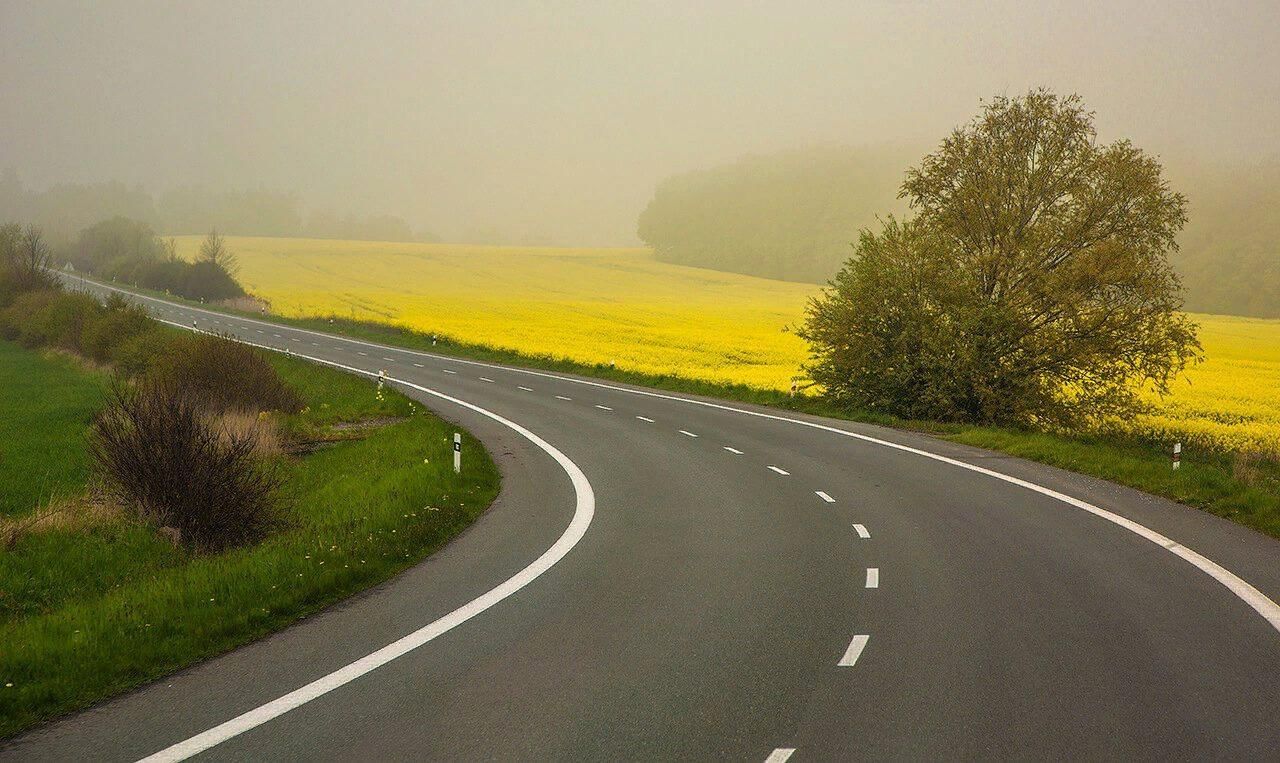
(97, 612)
(48, 403)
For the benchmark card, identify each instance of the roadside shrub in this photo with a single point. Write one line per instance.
(163, 455)
(222, 375)
(137, 354)
(46, 317)
(116, 324)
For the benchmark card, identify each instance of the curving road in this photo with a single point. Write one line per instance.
(668, 577)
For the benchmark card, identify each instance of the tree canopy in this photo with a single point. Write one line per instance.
(1033, 284)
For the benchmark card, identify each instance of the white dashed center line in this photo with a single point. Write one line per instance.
(734, 451)
(447, 371)
(645, 418)
(783, 472)
(862, 531)
(486, 379)
(780, 755)
(687, 433)
(824, 496)
(562, 397)
(418, 365)
(873, 577)
(604, 407)
(277, 336)
(526, 389)
(854, 651)
(390, 360)
(358, 352)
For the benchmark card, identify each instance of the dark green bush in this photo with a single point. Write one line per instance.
(219, 374)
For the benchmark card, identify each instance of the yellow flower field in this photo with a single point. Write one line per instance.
(622, 306)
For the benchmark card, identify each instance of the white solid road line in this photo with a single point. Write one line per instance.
(687, 433)
(526, 389)
(873, 577)
(824, 496)
(562, 397)
(734, 451)
(854, 651)
(1240, 588)
(604, 407)
(486, 379)
(646, 418)
(862, 531)
(783, 472)
(780, 755)
(584, 511)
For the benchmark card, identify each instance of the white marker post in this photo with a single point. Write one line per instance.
(457, 453)
(1177, 455)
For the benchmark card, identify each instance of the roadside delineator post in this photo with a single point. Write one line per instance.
(1177, 455)
(457, 452)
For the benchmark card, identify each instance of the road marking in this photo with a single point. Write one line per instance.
(734, 451)
(526, 389)
(293, 339)
(584, 511)
(390, 360)
(258, 330)
(447, 371)
(783, 472)
(315, 344)
(687, 433)
(854, 651)
(862, 531)
(646, 418)
(418, 365)
(604, 407)
(277, 336)
(362, 353)
(486, 379)
(562, 397)
(1240, 588)
(873, 577)
(824, 496)
(780, 755)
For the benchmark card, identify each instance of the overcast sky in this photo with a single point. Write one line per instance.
(556, 119)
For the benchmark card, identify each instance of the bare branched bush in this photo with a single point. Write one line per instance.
(166, 457)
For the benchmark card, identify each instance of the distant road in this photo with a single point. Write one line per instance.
(743, 583)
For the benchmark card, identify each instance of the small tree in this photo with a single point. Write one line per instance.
(1033, 285)
(214, 250)
(33, 252)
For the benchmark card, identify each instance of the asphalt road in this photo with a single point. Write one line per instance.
(727, 582)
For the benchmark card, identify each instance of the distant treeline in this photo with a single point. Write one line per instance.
(62, 211)
(794, 216)
(791, 216)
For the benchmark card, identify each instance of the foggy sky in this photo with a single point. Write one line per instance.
(556, 119)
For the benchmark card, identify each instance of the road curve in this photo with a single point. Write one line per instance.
(750, 584)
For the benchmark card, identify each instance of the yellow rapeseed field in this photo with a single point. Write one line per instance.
(622, 306)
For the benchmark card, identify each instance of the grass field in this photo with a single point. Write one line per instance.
(42, 453)
(88, 612)
(621, 306)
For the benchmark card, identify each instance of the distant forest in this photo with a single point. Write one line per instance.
(62, 211)
(794, 216)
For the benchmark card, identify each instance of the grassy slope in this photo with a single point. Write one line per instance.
(49, 401)
(118, 607)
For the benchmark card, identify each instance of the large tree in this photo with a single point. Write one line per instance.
(1032, 285)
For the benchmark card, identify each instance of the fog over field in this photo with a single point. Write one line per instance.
(550, 122)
